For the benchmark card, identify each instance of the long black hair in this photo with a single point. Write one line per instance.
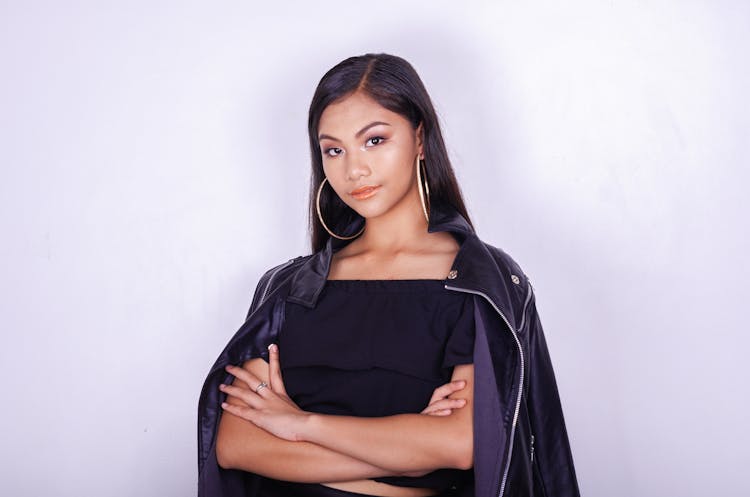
(393, 83)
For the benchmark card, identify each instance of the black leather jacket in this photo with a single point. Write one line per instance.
(521, 445)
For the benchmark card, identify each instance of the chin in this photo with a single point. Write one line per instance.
(368, 211)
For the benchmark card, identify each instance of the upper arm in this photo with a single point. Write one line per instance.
(233, 432)
(464, 417)
(257, 367)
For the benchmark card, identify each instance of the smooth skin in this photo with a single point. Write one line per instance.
(266, 432)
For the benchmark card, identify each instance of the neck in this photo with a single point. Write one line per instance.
(402, 227)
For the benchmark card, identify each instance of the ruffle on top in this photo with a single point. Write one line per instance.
(375, 347)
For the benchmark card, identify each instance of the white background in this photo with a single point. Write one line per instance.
(155, 162)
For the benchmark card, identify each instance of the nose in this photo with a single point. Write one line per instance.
(357, 166)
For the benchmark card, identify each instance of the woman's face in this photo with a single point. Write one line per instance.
(363, 144)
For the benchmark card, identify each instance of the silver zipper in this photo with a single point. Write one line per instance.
(532, 448)
(520, 382)
(270, 279)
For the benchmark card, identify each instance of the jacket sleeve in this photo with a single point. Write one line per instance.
(259, 290)
(551, 447)
(214, 481)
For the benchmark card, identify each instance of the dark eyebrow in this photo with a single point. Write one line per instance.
(359, 133)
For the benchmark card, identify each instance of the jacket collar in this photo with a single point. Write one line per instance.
(472, 268)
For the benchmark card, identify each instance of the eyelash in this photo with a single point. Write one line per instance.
(325, 152)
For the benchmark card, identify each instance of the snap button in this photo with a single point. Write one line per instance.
(452, 274)
(515, 279)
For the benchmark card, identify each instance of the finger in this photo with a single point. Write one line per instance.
(245, 395)
(274, 370)
(447, 404)
(444, 404)
(243, 374)
(440, 412)
(447, 389)
(428, 410)
(245, 413)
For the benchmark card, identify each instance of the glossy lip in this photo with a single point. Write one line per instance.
(364, 191)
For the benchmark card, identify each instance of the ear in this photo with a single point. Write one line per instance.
(420, 132)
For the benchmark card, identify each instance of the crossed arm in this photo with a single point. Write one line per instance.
(281, 441)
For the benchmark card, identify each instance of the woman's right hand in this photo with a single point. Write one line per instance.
(440, 404)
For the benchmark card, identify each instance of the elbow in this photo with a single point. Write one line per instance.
(464, 459)
(223, 456)
(464, 453)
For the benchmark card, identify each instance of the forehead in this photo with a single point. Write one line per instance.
(349, 114)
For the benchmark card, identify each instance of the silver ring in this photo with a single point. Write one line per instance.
(262, 385)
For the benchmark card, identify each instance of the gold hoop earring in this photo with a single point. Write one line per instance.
(426, 194)
(320, 217)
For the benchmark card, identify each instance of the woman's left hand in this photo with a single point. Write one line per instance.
(268, 407)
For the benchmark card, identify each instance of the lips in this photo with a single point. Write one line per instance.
(364, 191)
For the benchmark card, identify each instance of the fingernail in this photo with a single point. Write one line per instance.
(224, 405)
(272, 347)
(221, 387)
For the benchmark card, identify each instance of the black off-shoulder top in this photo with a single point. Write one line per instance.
(377, 348)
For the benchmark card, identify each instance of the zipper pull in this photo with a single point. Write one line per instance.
(532, 448)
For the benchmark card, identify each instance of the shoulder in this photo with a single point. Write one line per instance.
(272, 278)
(507, 264)
(515, 280)
(287, 265)
(516, 285)
(280, 271)
(504, 259)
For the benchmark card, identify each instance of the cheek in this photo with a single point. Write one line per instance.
(336, 180)
(398, 166)
(330, 171)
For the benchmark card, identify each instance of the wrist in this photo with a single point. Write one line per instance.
(306, 428)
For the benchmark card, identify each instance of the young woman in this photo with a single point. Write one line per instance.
(404, 357)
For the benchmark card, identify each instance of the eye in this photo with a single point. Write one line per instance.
(378, 138)
(328, 150)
